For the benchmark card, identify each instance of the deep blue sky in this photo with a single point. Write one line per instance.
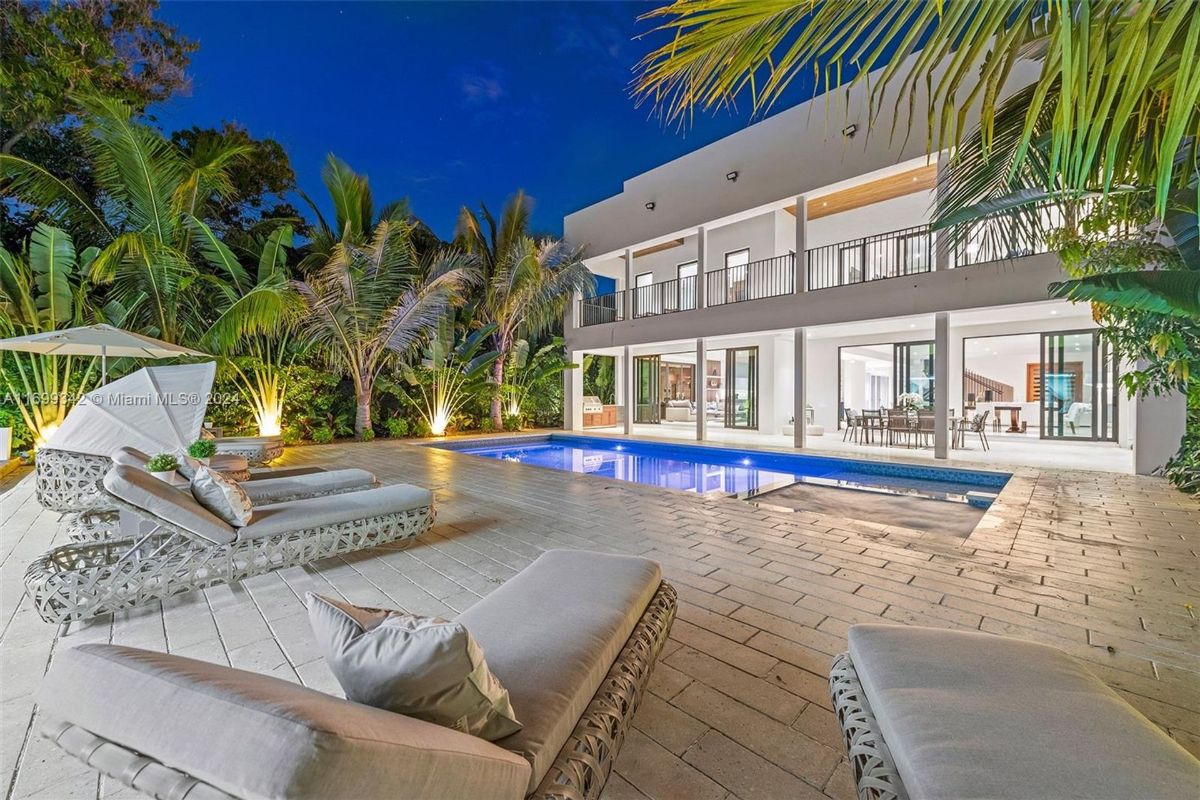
(446, 103)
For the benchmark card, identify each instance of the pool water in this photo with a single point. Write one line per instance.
(746, 473)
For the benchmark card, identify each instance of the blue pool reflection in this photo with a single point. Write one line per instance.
(704, 469)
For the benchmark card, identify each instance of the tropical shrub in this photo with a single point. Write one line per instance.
(453, 368)
(421, 428)
(163, 462)
(202, 448)
(486, 425)
(43, 289)
(397, 427)
(532, 373)
(512, 422)
(322, 435)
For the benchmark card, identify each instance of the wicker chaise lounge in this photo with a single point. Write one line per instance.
(573, 638)
(945, 715)
(187, 547)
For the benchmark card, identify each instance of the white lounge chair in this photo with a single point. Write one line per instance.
(573, 637)
(188, 547)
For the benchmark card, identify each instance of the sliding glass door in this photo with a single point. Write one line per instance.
(913, 368)
(1076, 386)
(741, 387)
(645, 390)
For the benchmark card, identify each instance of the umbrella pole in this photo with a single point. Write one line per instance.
(103, 364)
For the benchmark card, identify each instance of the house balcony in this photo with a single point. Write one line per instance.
(900, 253)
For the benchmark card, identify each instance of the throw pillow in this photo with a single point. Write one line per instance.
(222, 497)
(423, 667)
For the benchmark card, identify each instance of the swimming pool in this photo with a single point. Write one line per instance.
(745, 473)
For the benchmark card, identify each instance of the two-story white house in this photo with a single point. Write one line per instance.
(781, 287)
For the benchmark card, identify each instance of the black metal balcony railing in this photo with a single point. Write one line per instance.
(886, 255)
(601, 309)
(770, 277)
(666, 297)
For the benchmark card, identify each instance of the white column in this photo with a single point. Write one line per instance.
(573, 393)
(801, 245)
(941, 384)
(701, 265)
(1159, 423)
(628, 283)
(627, 369)
(699, 381)
(799, 389)
(941, 245)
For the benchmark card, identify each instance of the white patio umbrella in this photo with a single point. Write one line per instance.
(97, 340)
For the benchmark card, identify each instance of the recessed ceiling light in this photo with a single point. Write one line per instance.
(731, 176)
(650, 206)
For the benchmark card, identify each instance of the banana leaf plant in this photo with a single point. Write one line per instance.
(454, 368)
(527, 371)
(43, 289)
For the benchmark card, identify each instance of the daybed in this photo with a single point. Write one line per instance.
(573, 638)
(945, 715)
(189, 547)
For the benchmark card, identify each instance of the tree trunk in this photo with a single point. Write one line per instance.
(362, 414)
(498, 397)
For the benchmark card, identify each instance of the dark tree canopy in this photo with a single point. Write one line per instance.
(52, 51)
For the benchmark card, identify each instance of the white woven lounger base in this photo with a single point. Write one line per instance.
(97, 526)
(579, 773)
(83, 580)
(874, 770)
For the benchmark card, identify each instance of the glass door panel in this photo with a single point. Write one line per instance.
(643, 294)
(741, 388)
(687, 285)
(913, 363)
(1077, 384)
(850, 262)
(645, 390)
(736, 275)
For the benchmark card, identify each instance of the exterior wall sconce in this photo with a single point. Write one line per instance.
(731, 176)
(850, 130)
(650, 206)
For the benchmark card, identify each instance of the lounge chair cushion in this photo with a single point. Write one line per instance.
(263, 490)
(316, 512)
(142, 490)
(222, 496)
(222, 462)
(277, 739)
(971, 715)
(423, 667)
(552, 632)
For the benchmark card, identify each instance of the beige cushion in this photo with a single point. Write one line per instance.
(423, 667)
(315, 512)
(222, 497)
(130, 456)
(188, 466)
(551, 632)
(142, 490)
(228, 462)
(971, 715)
(265, 489)
(255, 736)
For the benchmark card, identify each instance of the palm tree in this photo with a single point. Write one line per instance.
(44, 289)
(372, 302)
(1119, 86)
(527, 282)
(175, 278)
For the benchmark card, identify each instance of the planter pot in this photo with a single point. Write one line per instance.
(167, 476)
(204, 461)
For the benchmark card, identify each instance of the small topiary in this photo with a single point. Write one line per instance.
(397, 427)
(367, 435)
(322, 435)
(163, 462)
(202, 448)
(512, 422)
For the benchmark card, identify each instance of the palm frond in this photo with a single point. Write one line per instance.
(1173, 292)
(60, 199)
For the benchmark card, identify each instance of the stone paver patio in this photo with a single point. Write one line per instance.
(1103, 566)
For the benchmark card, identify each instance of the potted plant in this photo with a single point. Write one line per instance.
(910, 401)
(163, 466)
(202, 450)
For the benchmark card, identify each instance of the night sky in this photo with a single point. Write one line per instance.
(447, 103)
